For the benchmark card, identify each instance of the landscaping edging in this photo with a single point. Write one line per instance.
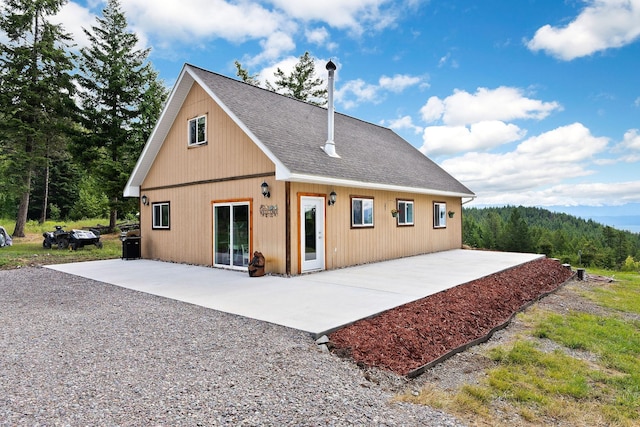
(409, 339)
(418, 371)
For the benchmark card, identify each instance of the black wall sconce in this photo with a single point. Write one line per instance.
(332, 198)
(265, 190)
(145, 200)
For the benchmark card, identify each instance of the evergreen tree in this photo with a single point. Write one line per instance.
(491, 230)
(244, 75)
(301, 83)
(36, 92)
(120, 99)
(516, 236)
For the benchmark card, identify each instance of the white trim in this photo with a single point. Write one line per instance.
(241, 125)
(159, 133)
(318, 264)
(167, 117)
(314, 179)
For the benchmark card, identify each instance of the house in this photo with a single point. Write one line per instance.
(231, 169)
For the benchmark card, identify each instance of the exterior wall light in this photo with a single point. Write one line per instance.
(332, 198)
(145, 200)
(265, 190)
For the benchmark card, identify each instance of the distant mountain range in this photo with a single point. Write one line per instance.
(623, 217)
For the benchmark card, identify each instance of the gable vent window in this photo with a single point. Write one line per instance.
(439, 215)
(198, 131)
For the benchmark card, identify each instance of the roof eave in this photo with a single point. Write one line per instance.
(160, 131)
(323, 180)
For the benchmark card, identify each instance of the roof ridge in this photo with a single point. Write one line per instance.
(286, 96)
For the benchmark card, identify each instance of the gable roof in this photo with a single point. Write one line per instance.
(291, 133)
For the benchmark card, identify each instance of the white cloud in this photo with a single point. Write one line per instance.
(602, 25)
(353, 15)
(439, 140)
(186, 19)
(503, 103)
(404, 123)
(317, 35)
(320, 37)
(354, 92)
(584, 194)
(273, 47)
(399, 82)
(73, 17)
(630, 146)
(630, 141)
(543, 160)
(446, 59)
(432, 111)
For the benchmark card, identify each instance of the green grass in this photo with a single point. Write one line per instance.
(28, 250)
(560, 387)
(623, 295)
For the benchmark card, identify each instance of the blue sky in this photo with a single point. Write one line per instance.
(526, 102)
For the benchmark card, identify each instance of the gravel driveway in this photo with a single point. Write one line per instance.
(79, 352)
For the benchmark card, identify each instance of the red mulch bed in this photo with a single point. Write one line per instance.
(408, 337)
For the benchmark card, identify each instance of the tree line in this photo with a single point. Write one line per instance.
(568, 238)
(73, 122)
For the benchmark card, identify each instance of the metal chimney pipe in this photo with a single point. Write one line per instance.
(330, 146)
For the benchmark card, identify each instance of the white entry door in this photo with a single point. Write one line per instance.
(312, 233)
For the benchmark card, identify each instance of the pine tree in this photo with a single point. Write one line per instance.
(516, 234)
(36, 92)
(301, 83)
(244, 75)
(120, 97)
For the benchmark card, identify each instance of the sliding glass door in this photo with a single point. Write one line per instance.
(231, 235)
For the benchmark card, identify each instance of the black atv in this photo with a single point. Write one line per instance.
(75, 239)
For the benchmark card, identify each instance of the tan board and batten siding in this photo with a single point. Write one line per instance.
(230, 167)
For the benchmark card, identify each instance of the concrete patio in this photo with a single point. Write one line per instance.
(316, 303)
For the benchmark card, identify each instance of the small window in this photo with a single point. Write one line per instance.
(161, 215)
(405, 212)
(198, 130)
(439, 215)
(361, 212)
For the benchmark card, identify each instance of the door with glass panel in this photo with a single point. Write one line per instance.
(231, 227)
(312, 246)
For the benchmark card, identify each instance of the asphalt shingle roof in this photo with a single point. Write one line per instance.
(295, 132)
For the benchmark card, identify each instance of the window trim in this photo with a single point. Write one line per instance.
(161, 226)
(196, 120)
(362, 199)
(406, 202)
(439, 215)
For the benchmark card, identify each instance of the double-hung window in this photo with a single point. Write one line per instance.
(405, 212)
(361, 212)
(439, 215)
(198, 130)
(160, 215)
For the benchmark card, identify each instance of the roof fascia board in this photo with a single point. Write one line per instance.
(241, 125)
(313, 179)
(160, 131)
